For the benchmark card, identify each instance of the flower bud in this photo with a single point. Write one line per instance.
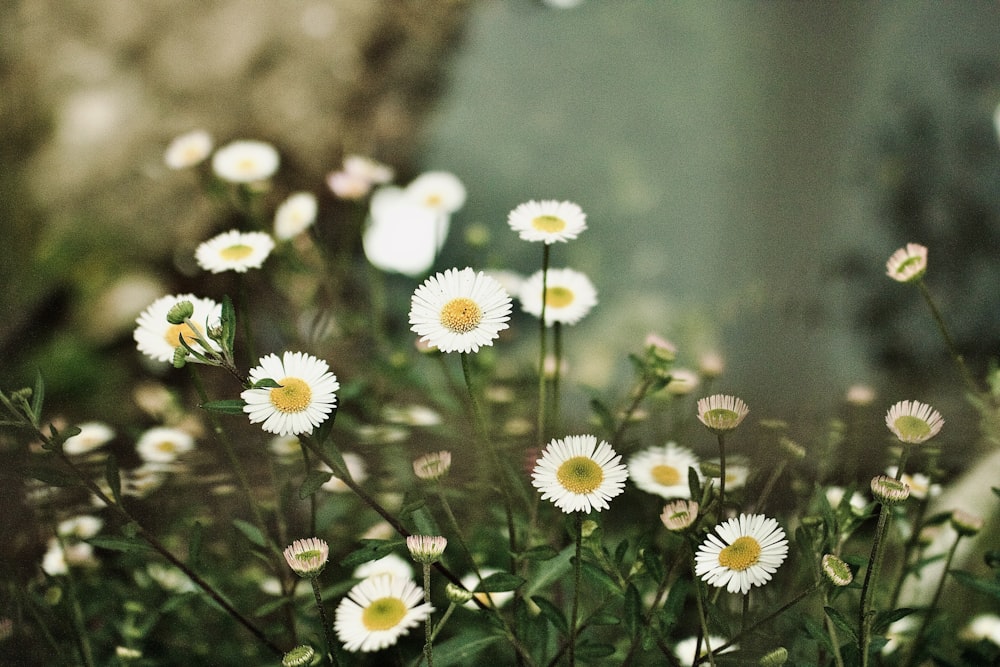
(179, 312)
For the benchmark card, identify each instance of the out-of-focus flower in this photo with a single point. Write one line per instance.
(234, 251)
(356, 469)
(663, 470)
(682, 382)
(439, 191)
(432, 466)
(295, 215)
(402, 235)
(188, 149)
(860, 395)
(92, 435)
(245, 161)
(392, 564)
(908, 264)
(497, 599)
(569, 296)
(162, 444)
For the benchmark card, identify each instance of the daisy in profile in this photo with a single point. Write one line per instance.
(440, 191)
(721, 413)
(245, 161)
(295, 215)
(913, 422)
(663, 471)
(743, 552)
(459, 310)
(162, 444)
(234, 251)
(304, 399)
(92, 435)
(188, 149)
(569, 296)
(548, 221)
(579, 474)
(157, 338)
(908, 264)
(378, 611)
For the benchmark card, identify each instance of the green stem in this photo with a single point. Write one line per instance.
(831, 629)
(638, 395)
(866, 616)
(542, 402)
(79, 626)
(963, 370)
(722, 474)
(459, 534)
(312, 496)
(428, 630)
(577, 578)
(327, 628)
(918, 640)
(702, 631)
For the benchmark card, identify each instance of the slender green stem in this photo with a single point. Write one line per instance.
(722, 474)
(911, 548)
(557, 352)
(866, 611)
(637, 396)
(327, 628)
(702, 631)
(577, 579)
(542, 401)
(79, 626)
(428, 629)
(457, 529)
(243, 318)
(307, 466)
(918, 640)
(831, 630)
(959, 360)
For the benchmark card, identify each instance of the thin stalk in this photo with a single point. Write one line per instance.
(428, 629)
(831, 629)
(911, 658)
(542, 402)
(248, 336)
(638, 394)
(577, 579)
(459, 534)
(702, 631)
(722, 473)
(79, 627)
(327, 628)
(312, 497)
(866, 615)
(557, 352)
(959, 360)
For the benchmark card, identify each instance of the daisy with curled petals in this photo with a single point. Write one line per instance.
(459, 310)
(304, 398)
(569, 296)
(245, 161)
(234, 251)
(742, 553)
(157, 338)
(378, 611)
(579, 474)
(663, 470)
(721, 413)
(908, 264)
(548, 221)
(913, 422)
(307, 557)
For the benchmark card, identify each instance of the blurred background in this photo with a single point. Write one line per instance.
(746, 168)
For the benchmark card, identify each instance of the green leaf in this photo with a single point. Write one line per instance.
(596, 575)
(265, 383)
(553, 614)
(271, 607)
(50, 475)
(654, 564)
(499, 582)
(976, 583)
(674, 605)
(842, 623)
(694, 482)
(604, 416)
(114, 477)
(60, 437)
(633, 610)
(227, 321)
(119, 544)
(194, 544)
(313, 482)
(887, 618)
(587, 650)
(37, 398)
(251, 532)
(372, 550)
(550, 570)
(543, 552)
(459, 651)
(233, 406)
(817, 632)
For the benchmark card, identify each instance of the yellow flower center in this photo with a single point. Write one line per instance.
(383, 614)
(912, 428)
(433, 200)
(558, 297)
(548, 223)
(741, 554)
(580, 474)
(167, 446)
(666, 475)
(236, 252)
(175, 331)
(461, 315)
(246, 165)
(293, 395)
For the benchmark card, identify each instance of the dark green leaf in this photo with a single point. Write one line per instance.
(461, 650)
(499, 582)
(620, 551)
(818, 632)
(251, 532)
(119, 544)
(313, 481)
(887, 618)
(37, 398)
(587, 650)
(604, 619)
(543, 552)
(604, 416)
(271, 607)
(633, 610)
(227, 321)
(233, 406)
(60, 437)
(842, 623)
(194, 544)
(372, 550)
(654, 563)
(553, 614)
(694, 482)
(596, 575)
(996, 491)
(114, 477)
(265, 383)
(50, 475)
(675, 604)
(988, 586)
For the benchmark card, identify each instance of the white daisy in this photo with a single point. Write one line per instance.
(569, 296)
(663, 471)
(913, 422)
(439, 191)
(304, 400)
(188, 149)
(682, 382)
(744, 552)
(721, 413)
(920, 485)
(459, 310)
(245, 161)
(685, 648)
(402, 235)
(346, 185)
(234, 251)
(548, 221)
(835, 496)
(907, 264)
(392, 564)
(161, 444)
(307, 557)
(371, 170)
(355, 467)
(92, 435)
(295, 215)
(81, 527)
(983, 626)
(737, 475)
(378, 611)
(157, 338)
(579, 474)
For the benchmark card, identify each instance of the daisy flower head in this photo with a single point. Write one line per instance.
(679, 514)
(433, 466)
(162, 444)
(459, 310)
(295, 215)
(579, 474)
(245, 161)
(304, 399)
(92, 435)
(908, 264)
(548, 221)
(158, 339)
(234, 251)
(188, 149)
(299, 656)
(836, 570)
(913, 422)
(663, 471)
(569, 296)
(439, 191)
(378, 611)
(889, 490)
(743, 552)
(307, 557)
(685, 649)
(426, 548)
(721, 413)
